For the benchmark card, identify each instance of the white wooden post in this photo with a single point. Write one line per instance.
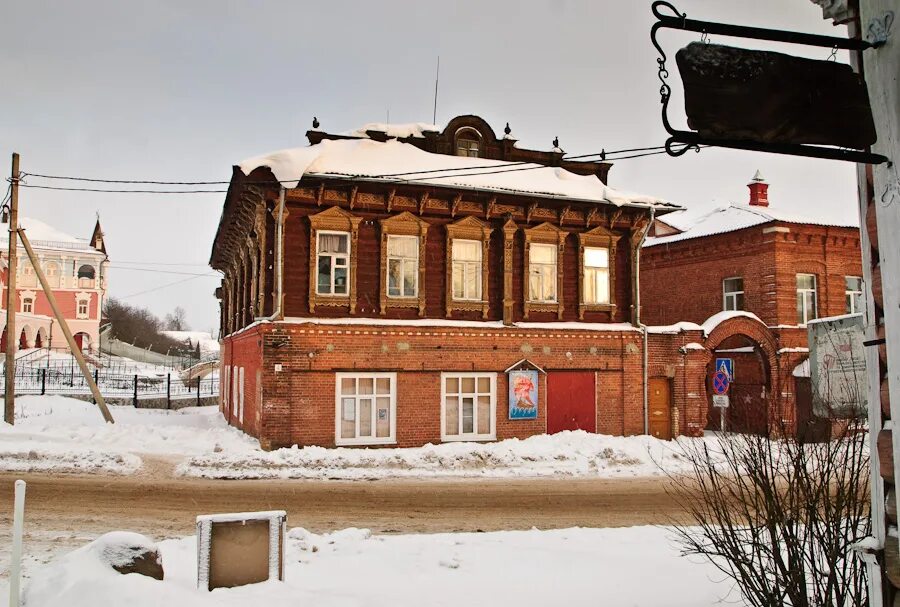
(15, 562)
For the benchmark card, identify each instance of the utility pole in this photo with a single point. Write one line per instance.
(9, 409)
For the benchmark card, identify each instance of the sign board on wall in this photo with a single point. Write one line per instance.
(523, 394)
(837, 366)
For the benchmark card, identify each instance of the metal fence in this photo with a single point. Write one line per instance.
(69, 381)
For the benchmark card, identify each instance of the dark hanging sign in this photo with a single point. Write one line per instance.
(766, 101)
(735, 93)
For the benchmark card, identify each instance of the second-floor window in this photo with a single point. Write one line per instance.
(853, 294)
(466, 258)
(83, 308)
(402, 266)
(806, 298)
(596, 275)
(333, 263)
(27, 305)
(542, 273)
(733, 293)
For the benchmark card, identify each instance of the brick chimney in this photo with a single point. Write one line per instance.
(759, 191)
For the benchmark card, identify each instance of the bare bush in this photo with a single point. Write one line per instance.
(779, 516)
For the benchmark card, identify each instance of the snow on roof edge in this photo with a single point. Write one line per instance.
(397, 162)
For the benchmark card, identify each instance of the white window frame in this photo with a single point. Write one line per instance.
(241, 395)
(492, 435)
(554, 280)
(29, 307)
(87, 309)
(854, 294)
(465, 263)
(391, 439)
(585, 268)
(732, 295)
(404, 261)
(815, 299)
(347, 255)
(234, 390)
(226, 389)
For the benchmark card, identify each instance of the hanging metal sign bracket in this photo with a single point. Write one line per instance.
(681, 141)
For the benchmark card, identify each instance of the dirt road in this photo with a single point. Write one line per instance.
(158, 504)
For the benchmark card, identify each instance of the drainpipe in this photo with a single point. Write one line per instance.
(637, 318)
(279, 259)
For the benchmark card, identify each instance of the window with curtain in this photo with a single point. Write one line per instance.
(403, 266)
(466, 269)
(366, 406)
(595, 289)
(469, 406)
(853, 294)
(542, 272)
(806, 298)
(333, 263)
(733, 293)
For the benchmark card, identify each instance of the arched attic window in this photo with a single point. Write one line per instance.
(468, 142)
(86, 274)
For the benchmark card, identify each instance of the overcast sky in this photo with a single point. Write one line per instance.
(182, 90)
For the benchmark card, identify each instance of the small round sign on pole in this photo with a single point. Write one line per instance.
(720, 383)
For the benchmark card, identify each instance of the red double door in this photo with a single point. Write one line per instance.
(571, 401)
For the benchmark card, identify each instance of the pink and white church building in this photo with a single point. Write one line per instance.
(76, 269)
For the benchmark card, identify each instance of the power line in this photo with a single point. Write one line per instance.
(166, 286)
(113, 266)
(134, 181)
(160, 263)
(48, 187)
(466, 171)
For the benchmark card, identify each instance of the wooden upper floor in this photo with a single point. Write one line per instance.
(357, 248)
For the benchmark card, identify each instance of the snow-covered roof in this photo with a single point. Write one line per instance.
(406, 129)
(393, 161)
(735, 217)
(44, 236)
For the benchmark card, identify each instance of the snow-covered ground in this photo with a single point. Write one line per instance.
(564, 454)
(59, 434)
(209, 345)
(611, 567)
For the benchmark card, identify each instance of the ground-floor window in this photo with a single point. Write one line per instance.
(366, 408)
(469, 406)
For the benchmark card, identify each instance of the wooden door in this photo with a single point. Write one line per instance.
(571, 401)
(660, 408)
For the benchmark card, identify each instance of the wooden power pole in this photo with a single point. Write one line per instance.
(9, 408)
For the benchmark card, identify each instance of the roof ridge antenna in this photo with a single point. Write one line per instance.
(437, 79)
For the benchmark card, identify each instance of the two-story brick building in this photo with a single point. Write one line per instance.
(76, 269)
(405, 284)
(773, 271)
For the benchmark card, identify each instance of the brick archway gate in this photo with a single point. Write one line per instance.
(754, 394)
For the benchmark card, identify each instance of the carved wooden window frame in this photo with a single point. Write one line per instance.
(600, 238)
(468, 228)
(545, 233)
(333, 219)
(403, 224)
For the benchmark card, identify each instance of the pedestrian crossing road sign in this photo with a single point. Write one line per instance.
(726, 366)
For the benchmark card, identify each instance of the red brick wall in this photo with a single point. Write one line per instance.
(243, 350)
(768, 263)
(298, 403)
(682, 281)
